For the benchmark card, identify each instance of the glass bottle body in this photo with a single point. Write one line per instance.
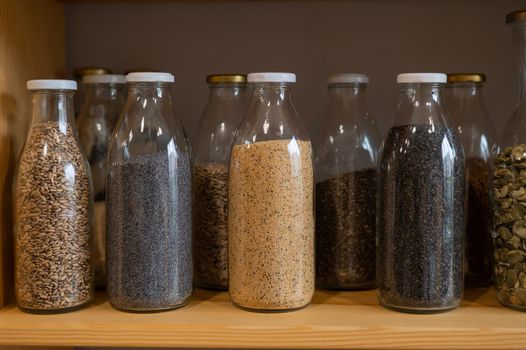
(270, 206)
(509, 177)
(222, 115)
(346, 156)
(149, 204)
(476, 134)
(104, 102)
(421, 206)
(53, 211)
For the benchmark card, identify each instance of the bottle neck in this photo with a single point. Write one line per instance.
(150, 90)
(109, 91)
(467, 91)
(53, 106)
(272, 94)
(347, 94)
(519, 42)
(420, 103)
(228, 91)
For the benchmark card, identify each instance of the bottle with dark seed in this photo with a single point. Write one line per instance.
(346, 153)
(223, 113)
(477, 135)
(509, 188)
(53, 207)
(421, 203)
(101, 110)
(149, 201)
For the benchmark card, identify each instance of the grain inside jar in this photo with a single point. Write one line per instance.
(53, 265)
(271, 225)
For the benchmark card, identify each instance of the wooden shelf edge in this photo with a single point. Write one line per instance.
(338, 320)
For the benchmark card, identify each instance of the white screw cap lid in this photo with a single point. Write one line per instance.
(348, 78)
(271, 77)
(104, 79)
(421, 78)
(51, 84)
(150, 77)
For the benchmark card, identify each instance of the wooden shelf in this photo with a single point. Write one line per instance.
(351, 320)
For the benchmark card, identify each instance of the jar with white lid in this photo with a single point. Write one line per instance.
(346, 148)
(149, 201)
(105, 97)
(53, 207)
(421, 193)
(271, 202)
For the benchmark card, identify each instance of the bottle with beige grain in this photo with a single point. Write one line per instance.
(271, 202)
(53, 207)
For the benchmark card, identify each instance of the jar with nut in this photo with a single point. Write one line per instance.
(509, 188)
(53, 207)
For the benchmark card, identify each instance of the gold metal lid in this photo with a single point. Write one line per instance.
(466, 77)
(516, 16)
(226, 78)
(80, 72)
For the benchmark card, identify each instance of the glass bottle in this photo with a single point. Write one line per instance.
(149, 201)
(53, 207)
(421, 192)
(346, 154)
(509, 193)
(223, 113)
(79, 74)
(270, 203)
(477, 135)
(103, 104)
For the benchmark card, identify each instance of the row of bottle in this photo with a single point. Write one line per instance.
(270, 200)
(270, 228)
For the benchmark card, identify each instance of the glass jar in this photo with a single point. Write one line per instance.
(103, 104)
(270, 202)
(79, 74)
(509, 193)
(346, 154)
(421, 202)
(149, 201)
(477, 135)
(223, 113)
(53, 204)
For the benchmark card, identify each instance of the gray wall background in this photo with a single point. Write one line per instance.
(311, 38)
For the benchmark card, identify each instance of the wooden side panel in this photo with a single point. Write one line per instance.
(31, 46)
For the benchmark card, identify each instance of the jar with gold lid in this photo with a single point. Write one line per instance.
(79, 74)
(221, 117)
(477, 135)
(509, 189)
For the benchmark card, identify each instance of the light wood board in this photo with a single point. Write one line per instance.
(335, 320)
(31, 46)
